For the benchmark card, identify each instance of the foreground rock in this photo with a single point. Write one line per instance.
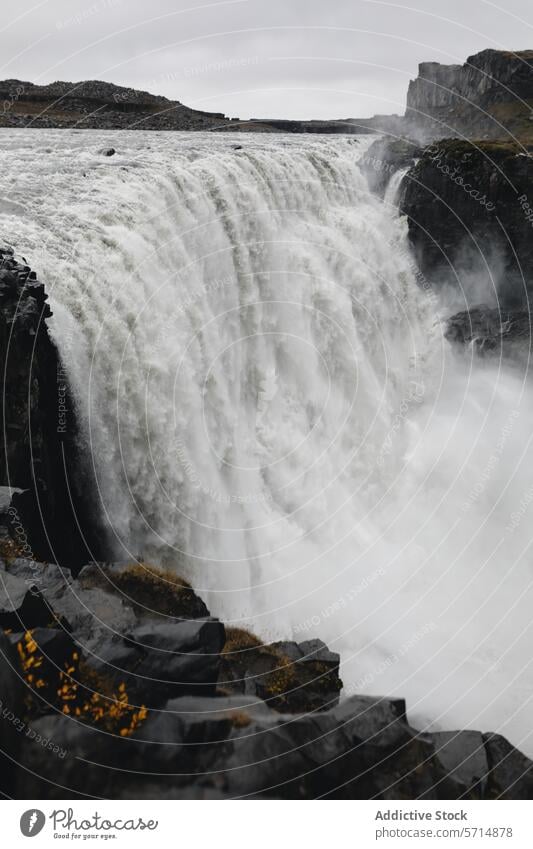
(150, 592)
(176, 707)
(11, 710)
(290, 677)
(157, 662)
(235, 747)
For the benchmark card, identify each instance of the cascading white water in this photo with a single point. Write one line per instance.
(271, 407)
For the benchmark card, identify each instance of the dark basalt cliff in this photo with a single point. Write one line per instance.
(39, 455)
(470, 214)
(488, 97)
(468, 196)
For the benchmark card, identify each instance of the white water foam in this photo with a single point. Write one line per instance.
(271, 407)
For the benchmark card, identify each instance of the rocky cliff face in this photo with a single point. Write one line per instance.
(470, 212)
(490, 96)
(39, 455)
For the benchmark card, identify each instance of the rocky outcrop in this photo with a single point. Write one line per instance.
(492, 332)
(39, 458)
(150, 594)
(384, 158)
(470, 213)
(289, 677)
(487, 97)
(140, 708)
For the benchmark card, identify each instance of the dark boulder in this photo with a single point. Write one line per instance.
(22, 606)
(93, 616)
(463, 759)
(290, 677)
(160, 661)
(151, 592)
(511, 773)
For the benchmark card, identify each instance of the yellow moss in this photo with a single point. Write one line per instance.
(238, 640)
(10, 550)
(153, 590)
(243, 649)
(240, 719)
(280, 680)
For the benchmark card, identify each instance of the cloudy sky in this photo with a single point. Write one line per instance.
(261, 58)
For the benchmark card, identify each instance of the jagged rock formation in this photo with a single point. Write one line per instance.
(470, 219)
(140, 707)
(39, 458)
(487, 97)
(492, 332)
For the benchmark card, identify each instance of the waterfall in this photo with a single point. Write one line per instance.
(272, 410)
(393, 187)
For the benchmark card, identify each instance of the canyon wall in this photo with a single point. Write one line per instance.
(470, 216)
(490, 96)
(40, 456)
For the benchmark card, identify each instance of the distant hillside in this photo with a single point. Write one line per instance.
(97, 105)
(100, 105)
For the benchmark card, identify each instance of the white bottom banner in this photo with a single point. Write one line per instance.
(200, 824)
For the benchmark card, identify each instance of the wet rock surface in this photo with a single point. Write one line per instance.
(39, 458)
(470, 218)
(290, 677)
(384, 158)
(492, 332)
(169, 708)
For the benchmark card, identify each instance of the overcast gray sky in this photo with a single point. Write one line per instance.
(260, 58)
